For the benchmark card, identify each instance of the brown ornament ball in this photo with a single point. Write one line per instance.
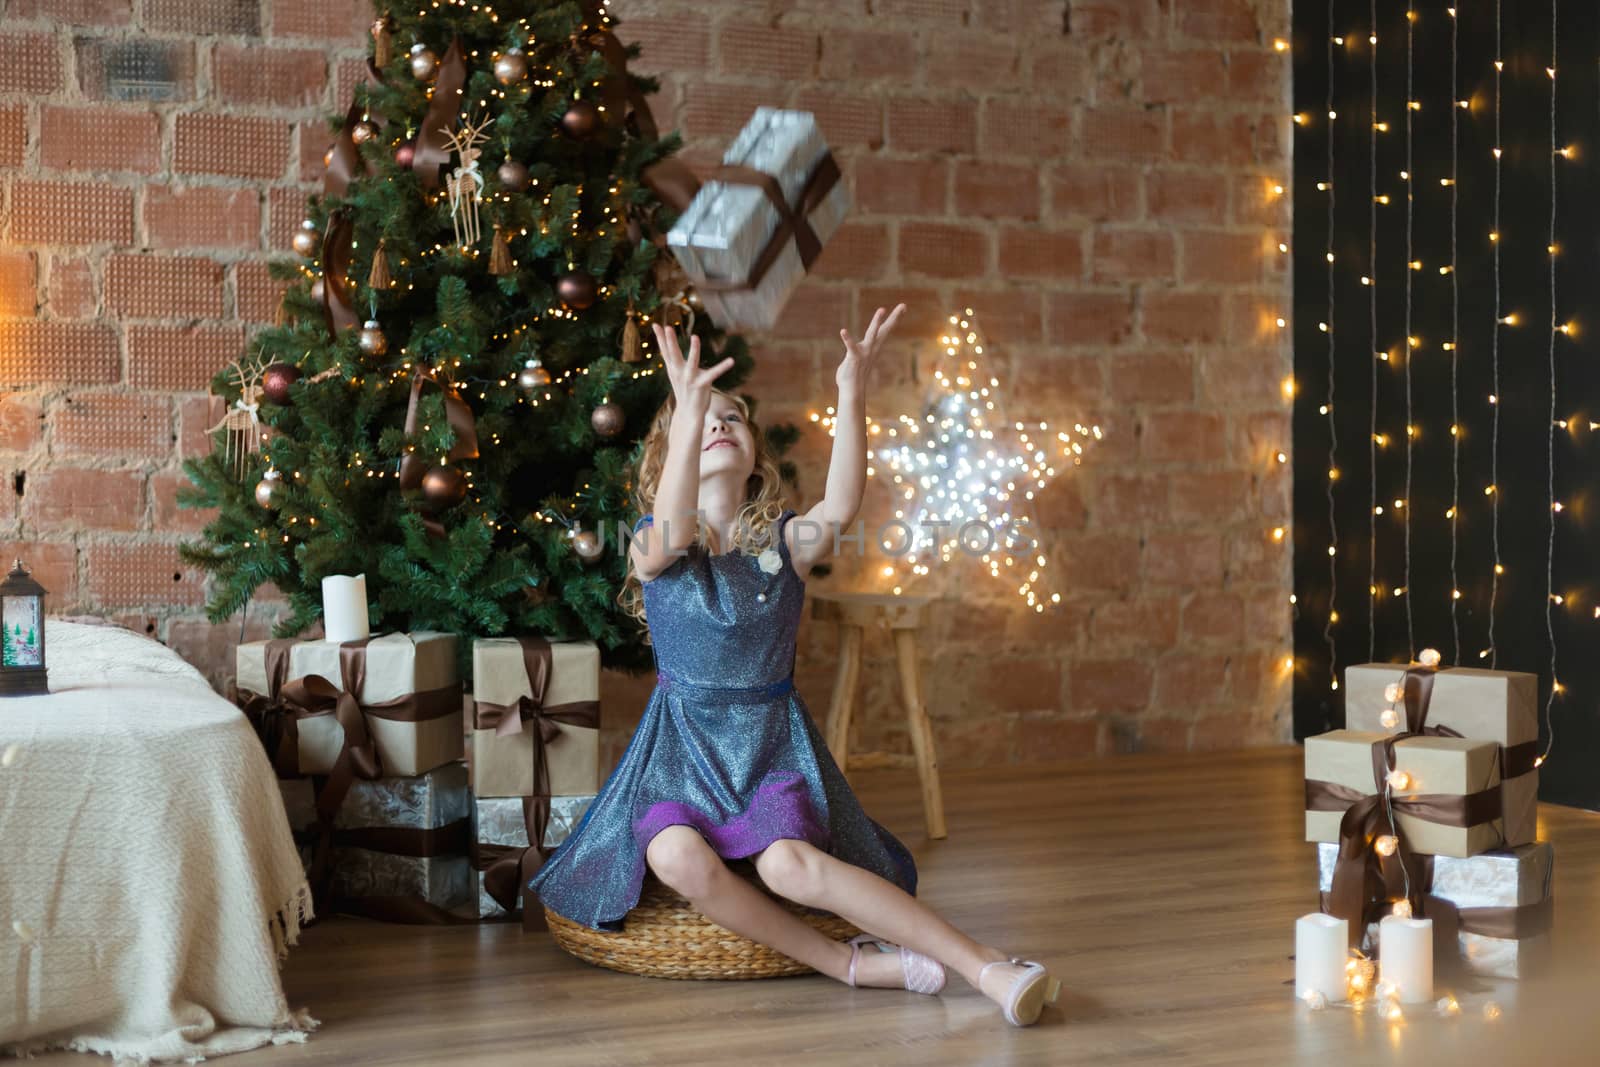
(582, 120)
(513, 175)
(444, 487)
(424, 64)
(373, 341)
(362, 132)
(405, 154)
(305, 240)
(608, 419)
(532, 376)
(510, 67)
(577, 289)
(270, 491)
(586, 543)
(275, 382)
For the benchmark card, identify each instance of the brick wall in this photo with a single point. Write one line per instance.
(1096, 177)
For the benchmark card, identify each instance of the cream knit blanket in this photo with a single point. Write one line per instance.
(149, 885)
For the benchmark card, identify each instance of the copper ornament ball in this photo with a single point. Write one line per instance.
(362, 132)
(532, 376)
(275, 382)
(444, 487)
(372, 340)
(608, 419)
(510, 67)
(424, 64)
(305, 238)
(582, 120)
(269, 493)
(577, 289)
(513, 175)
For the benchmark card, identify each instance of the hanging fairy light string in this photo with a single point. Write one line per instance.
(1327, 407)
(1454, 344)
(1551, 599)
(1412, 266)
(1371, 282)
(1492, 491)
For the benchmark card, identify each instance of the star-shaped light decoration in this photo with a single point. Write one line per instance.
(964, 476)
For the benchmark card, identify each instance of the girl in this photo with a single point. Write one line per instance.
(726, 762)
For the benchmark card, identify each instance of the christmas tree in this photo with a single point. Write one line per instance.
(454, 398)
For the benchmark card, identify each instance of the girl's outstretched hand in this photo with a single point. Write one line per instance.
(859, 355)
(691, 384)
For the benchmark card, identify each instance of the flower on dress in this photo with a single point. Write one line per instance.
(771, 562)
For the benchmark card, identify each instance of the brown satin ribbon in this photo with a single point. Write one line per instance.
(507, 869)
(451, 839)
(431, 154)
(338, 307)
(266, 712)
(1508, 922)
(506, 719)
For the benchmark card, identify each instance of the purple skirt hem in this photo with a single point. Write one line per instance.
(780, 809)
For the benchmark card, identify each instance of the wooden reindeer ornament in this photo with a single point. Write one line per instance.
(243, 420)
(465, 184)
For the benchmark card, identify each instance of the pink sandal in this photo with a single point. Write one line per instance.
(1029, 993)
(923, 974)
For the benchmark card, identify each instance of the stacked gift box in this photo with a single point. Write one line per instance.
(535, 753)
(1426, 804)
(366, 737)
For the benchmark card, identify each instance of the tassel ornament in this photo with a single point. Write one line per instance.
(630, 338)
(500, 254)
(382, 42)
(379, 277)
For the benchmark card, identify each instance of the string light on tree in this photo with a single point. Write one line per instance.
(964, 477)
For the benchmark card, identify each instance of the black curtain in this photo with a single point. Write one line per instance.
(1417, 610)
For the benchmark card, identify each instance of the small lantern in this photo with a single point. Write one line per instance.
(22, 669)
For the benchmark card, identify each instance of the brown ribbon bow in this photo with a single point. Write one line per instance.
(507, 719)
(507, 869)
(1362, 877)
(344, 166)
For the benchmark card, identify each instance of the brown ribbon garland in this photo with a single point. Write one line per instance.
(507, 719)
(464, 424)
(431, 153)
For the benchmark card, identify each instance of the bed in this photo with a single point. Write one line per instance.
(149, 884)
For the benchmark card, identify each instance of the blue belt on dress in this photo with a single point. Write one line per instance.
(722, 695)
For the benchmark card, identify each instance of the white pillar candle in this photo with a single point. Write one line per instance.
(1320, 949)
(1405, 957)
(344, 607)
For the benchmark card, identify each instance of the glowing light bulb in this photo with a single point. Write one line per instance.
(1393, 692)
(1390, 718)
(1491, 1011)
(1392, 1012)
(1399, 779)
(1448, 1006)
(1402, 909)
(1386, 844)
(1429, 657)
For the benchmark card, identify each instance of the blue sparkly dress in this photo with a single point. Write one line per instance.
(725, 744)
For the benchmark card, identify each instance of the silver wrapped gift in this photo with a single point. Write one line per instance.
(1519, 877)
(431, 801)
(722, 233)
(498, 821)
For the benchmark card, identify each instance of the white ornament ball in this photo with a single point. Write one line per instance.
(373, 340)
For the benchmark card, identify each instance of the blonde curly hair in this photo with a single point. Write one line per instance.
(753, 527)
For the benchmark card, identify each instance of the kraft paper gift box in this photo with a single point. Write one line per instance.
(1517, 878)
(400, 669)
(363, 866)
(500, 821)
(503, 764)
(1483, 705)
(1449, 766)
(727, 228)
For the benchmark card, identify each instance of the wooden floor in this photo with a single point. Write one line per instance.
(1164, 890)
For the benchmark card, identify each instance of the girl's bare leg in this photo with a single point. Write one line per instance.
(680, 857)
(807, 875)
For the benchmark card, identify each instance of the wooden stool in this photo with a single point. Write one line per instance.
(854, 612)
